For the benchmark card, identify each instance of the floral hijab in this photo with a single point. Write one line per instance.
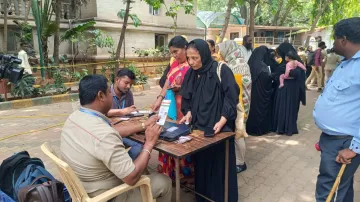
(233, 56)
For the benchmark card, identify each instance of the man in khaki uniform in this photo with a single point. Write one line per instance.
(95, 150)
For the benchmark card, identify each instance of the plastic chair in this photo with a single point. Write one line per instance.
(77, 191)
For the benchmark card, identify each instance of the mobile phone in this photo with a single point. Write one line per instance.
(209, 132)
(136, 115)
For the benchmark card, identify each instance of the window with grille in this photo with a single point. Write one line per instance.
(153, 11)
(234, 35)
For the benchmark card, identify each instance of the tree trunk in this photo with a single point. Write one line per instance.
(27, 12)
(277, 14)
(57, 33)
(45, 51)
(5, 27)
(244, 13)
(252, 18)
(286, 14)
(316, 19)
(227, 19)
(122, 35)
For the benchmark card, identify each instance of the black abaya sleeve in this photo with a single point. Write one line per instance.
(187, 91)
(300, 77)
(231, 92)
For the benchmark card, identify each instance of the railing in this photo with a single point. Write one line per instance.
(19, 8)
(273, 40)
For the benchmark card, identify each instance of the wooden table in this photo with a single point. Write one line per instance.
(177, 151)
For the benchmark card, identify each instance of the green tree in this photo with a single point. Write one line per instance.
(211, 5)
(319, 7)
(57, 10)
(173, 9)
(230, 5)
(125, 14)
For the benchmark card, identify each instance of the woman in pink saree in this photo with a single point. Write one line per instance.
(174, 80)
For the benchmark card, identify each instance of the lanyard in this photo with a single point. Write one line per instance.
(94, 114)
(118, 104)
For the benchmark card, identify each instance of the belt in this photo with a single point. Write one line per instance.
(338, 136)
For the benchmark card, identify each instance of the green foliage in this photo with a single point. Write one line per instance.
(136, 20)
(25, 36)
(212, 5)
(79, 75)
(338, 10)
(59, 80)
(24, 88)
(162, 52)
(173, 9)
(140, 77)
(77, 31)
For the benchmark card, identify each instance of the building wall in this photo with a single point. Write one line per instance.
(89, 10)
(213, 32)
(108, 9)
(104, 12)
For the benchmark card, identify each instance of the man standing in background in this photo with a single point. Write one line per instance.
(247, 47)
(24, 59)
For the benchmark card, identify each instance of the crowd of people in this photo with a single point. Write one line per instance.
(223, 87)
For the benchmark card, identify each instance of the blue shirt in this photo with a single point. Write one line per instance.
(122, 102)
(337, 110)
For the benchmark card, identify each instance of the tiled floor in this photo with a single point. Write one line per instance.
(280, 168)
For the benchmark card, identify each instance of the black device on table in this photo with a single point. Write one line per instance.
(209, 132)
(172, 131)
(135, 115)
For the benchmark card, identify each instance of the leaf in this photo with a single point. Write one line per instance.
(121, 14)
(135, 19)
(77, 30)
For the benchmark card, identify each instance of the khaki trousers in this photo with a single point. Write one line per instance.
(317, 74)
(161, 189)
(328, 73)
(240, 149)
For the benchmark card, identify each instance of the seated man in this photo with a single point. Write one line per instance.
(95, 150)
(123, 104)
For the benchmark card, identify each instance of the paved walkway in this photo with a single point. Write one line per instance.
(280, 168)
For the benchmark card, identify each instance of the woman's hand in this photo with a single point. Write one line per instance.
(186, 119)
(157, 104)
(175, 88)
(219, 125)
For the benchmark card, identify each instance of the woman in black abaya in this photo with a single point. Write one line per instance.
(259, 121)
(210, 105)
(287, 99)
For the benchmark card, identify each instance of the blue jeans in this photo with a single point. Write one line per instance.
(135, 148)
(329, 169)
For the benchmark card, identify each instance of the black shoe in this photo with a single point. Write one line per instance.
(241, 168)
(319, 90)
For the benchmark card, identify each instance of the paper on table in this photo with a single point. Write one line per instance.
(163, 112)
(145, 111)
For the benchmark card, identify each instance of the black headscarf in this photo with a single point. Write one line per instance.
(297, 73)
(258, 62)
(284, 48)
(204, 95)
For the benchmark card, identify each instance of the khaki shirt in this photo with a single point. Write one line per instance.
(95, 151)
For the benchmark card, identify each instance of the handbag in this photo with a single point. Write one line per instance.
(50, 191)
(240, 131)
(170, 95)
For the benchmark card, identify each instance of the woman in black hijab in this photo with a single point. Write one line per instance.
(287, 99)
(259, 121)
(210, 105)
